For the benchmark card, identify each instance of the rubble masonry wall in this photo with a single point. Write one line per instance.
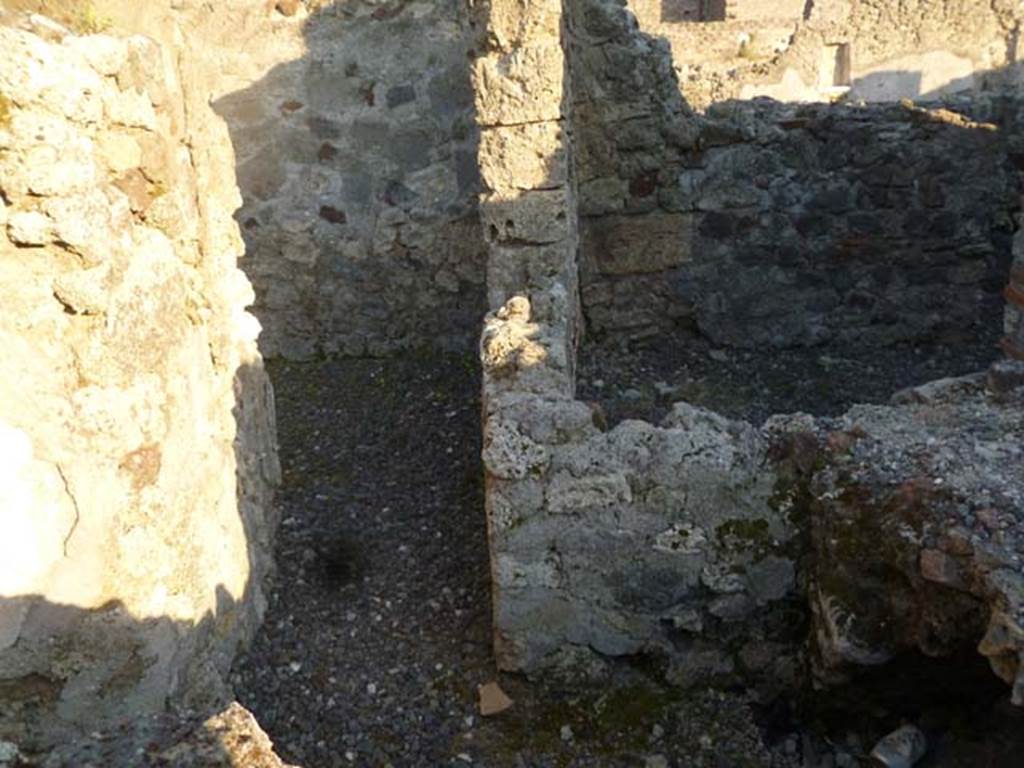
(136, 421)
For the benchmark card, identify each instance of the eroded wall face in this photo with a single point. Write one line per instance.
(670, 541)
(729, 554)
(136, 422)
(1013, 320)
(761, 223)
(355, 143)
(353, 128)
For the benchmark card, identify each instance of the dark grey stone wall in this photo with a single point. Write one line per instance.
(762, 223)
(357, 165)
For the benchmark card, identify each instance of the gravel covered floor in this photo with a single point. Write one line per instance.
(378, 629)
(377, 632)
(380, 603)
(642, 379)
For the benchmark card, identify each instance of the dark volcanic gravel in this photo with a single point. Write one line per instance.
(377, 632)
(381, 593)
(641, 380)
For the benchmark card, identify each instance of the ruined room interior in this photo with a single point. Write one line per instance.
(512, 383)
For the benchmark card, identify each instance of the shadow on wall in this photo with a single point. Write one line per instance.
(357, 166)
(136, 428)
(888, 85)
(722, 10)
(783, 224)
(83, 685)
(103, 683)
(938, 82)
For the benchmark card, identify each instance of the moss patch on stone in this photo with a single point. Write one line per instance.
(752, 536)
(612, 723)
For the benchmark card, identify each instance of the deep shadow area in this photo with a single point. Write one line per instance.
(765, 258)
(692, 10)
(378, 627)
(957, 702)
(642, 379)
(357, 167)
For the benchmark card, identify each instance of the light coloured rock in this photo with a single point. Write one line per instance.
(49, 170)
(493, 700)
(131, 395)
(567, 494)
(120, 152)
(902, 748)
(683, 539)
(30, 228)
(67, 84)
(38, 516)
(105, 54)
(523, 157)
(522, 86)
(131, 108)
(83, 292)
(511, 345)
(1003, 640)
(525, 23)
(230, 739)
(509, 454)
(87, 224)
(9, 753)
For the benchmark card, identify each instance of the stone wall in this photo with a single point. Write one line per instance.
(760, 222)
(528, 341)
(865, 225)
(355, 143)
(658, 540)
(1013, 320)
(915, 49)
(136, 422)
(915, 514)
(352, 122)
(717, 550)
